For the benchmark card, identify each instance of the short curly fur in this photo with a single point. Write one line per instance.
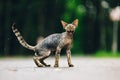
(54, 42)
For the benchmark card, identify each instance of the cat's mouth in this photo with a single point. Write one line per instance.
(70, 32)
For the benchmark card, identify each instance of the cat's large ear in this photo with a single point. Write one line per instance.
(64, 24)
(75, 22)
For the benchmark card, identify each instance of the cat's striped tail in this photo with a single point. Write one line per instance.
(20, 38)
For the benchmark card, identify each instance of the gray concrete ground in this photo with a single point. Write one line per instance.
(85, 69)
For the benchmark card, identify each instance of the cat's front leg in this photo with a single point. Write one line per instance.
(57, 56)
(69, 58)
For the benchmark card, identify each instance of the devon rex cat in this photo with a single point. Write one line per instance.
(54, 42)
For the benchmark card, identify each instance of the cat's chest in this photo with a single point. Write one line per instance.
(67, 41)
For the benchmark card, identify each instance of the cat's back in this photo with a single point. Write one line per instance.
(51, 42)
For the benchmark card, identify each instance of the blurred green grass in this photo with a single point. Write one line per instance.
(99, 54)
(106, 54)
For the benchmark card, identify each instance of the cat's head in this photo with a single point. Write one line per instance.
(70, 27)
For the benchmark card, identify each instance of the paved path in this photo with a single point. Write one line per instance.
(85, 69)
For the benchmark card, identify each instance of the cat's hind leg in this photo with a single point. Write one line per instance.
(45, 54)
(37, 62)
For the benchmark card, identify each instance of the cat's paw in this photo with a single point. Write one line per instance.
(71, 65)
(56, 65)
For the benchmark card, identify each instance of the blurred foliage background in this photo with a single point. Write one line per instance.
(35, 18)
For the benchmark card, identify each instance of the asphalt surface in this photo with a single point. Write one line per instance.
(85, 69)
